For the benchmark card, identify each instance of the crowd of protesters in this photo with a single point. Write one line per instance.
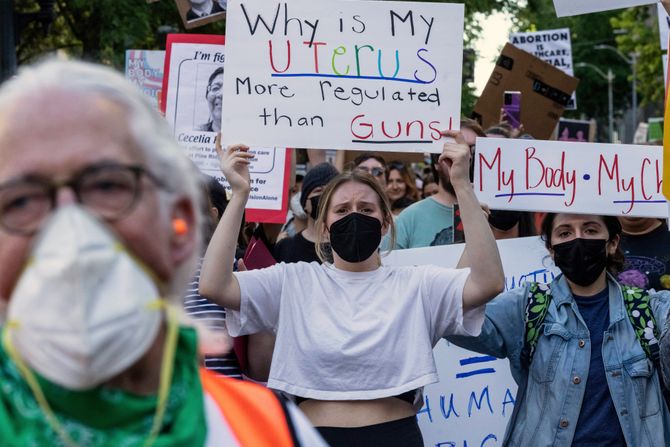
(136, 314)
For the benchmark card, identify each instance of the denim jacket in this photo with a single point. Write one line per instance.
(551, 391)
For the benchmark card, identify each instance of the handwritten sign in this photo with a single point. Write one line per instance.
(666, 138)
(559, 176)
(145, 69)
(363, 75)
(475, 397)
(552, 46)
(577, 7)
(193, 102)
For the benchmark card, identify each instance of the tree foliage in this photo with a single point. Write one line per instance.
(640, 35)
(629, 30)
(101, 30)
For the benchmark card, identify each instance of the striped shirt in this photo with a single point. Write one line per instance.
(214, 317)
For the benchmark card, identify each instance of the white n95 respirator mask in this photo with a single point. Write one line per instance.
(83, 310)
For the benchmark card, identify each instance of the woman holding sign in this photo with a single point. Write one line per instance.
(584, 348)
(354, 337)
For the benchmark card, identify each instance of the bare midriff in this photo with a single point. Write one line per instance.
(355, 413)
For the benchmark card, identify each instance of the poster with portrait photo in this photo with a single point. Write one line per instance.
(193, 106)
(196, 13)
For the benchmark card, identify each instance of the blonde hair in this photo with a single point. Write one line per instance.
(356, 176)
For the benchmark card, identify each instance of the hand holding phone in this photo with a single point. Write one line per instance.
(512, 108)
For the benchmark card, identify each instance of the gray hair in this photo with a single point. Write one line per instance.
(150, 132)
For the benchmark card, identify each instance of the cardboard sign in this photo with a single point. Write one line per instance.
(361, 75)
(193, 103)
(557, 176)
(575, 130)
(145, 69)
(473, 400)
(577, 7)
(552, 46)
(545, 92)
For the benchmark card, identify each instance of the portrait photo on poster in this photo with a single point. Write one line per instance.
(196, 13)
(213, 93)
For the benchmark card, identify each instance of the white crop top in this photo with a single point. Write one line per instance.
(353, 335)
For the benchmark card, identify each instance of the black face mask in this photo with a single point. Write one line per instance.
(314, 213)
(504, 220)
(355, 237)
(581, 260)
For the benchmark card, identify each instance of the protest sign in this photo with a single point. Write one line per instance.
(545, 92)
(473, 400)
(363, 75)
(665, 71)
(663, 25)
(193, 104)
(655, 130)
(199, 13)
(666, 139)
(575, 130)
(557, 176)
(145, 69)
(552, 46)
(577, 7)
(641, 133)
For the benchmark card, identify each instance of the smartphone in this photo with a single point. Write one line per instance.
(512, 108)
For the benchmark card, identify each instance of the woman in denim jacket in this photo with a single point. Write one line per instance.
(590, 382)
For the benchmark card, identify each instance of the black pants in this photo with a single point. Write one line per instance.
(401, 433)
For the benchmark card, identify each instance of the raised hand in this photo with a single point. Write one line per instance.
(455, 159)
(234, 163)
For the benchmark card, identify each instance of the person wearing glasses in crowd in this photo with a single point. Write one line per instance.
(100, 230)
(354, 337)
(214, 96)
(400, 186)
(434, 221)
(373, 164)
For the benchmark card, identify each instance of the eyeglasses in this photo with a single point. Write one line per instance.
(375, 172)
(109, 190)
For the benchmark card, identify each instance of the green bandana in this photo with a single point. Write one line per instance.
(104, 417)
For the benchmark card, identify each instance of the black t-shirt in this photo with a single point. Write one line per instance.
(295, 249)
(649, 254)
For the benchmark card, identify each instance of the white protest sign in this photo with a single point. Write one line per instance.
(559, 176)
(665, 70)
(552, 46)
(663, 25)
(193, 104)
(359, 75)
(578, 7)
(475, 397)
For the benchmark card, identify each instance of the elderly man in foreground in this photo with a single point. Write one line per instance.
(98, 237)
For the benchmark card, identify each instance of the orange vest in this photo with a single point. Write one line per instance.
(253, 413)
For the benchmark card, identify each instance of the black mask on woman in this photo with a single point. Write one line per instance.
(581, 260)
(355, 237)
